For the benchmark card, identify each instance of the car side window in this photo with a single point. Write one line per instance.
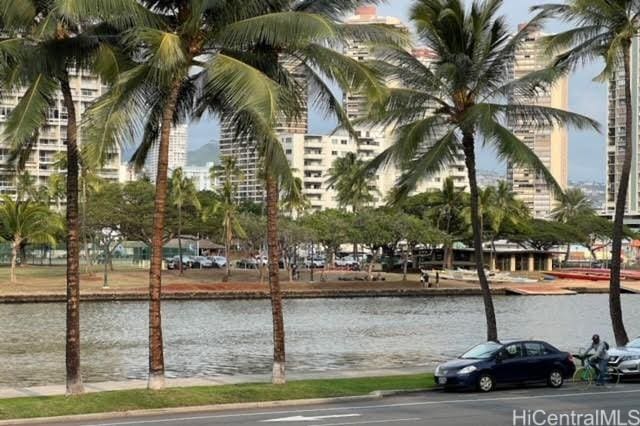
(513, 351)
(535, 349)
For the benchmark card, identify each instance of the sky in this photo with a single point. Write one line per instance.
(586, 149)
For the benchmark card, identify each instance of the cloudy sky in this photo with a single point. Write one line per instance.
(586, 149)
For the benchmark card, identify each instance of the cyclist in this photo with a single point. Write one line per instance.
(599, 359)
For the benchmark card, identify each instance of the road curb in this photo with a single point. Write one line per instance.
(376, 395)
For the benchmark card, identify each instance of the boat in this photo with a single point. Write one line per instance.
(493, 277)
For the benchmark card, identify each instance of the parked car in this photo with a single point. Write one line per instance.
(347, 261)
(247, 264)
(491, 364)
(218, 261)
(626, 359)
(187, 261)
(316, 262)
(203, 262)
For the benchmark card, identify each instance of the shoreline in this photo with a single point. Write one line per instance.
(138, 296)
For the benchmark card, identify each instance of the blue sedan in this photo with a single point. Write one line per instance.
(490, 364)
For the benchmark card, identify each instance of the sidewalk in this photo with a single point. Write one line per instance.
(53, 390)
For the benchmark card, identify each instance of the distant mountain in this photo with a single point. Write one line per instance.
(205, 154)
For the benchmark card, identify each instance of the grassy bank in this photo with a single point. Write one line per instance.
(105, 402)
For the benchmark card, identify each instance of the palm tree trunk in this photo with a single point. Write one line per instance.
(14, 258)
(615, 304)
(227, 245)
(470, 160)
(74, 378)
(567, 254)
(105, 282)
(156, 349)
(279, 359)
(181, 266)
(404, 266)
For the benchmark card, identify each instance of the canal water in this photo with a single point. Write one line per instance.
(211, 338)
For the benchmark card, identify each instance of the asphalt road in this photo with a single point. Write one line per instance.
(429, 408)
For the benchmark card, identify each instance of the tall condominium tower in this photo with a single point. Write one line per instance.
(374, 139)
(86, 88)
(245, 150)
(550, 144)
(616, 138)
(177, 152)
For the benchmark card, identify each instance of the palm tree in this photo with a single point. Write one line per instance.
(447, 206)
(183, 192)
(573, 205)
(24, 221)
(230, 174)
(293, 197)
(41, 41)
(604, 29)
(439, 109)
(353, 184)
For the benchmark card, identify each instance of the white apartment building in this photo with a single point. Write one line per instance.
(244, 150)
(86, 88)
(551, 144)
(177, 152)
(201, 177)
(616, 138)
(311, 157)
(356, 105)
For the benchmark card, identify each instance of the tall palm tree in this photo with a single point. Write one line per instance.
(41, 42)
(353, 184)
(183, 193)
(225, 58)
(462, 97)
(25, 220)
(447, 206)
(230, 175)
(573, 205)
(604, 29)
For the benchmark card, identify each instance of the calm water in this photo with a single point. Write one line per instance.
(211, 338)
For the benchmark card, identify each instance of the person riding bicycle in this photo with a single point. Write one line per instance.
(599, 359)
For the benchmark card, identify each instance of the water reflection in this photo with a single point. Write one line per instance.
(210, 338)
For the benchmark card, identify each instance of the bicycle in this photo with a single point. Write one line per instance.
(586, 375)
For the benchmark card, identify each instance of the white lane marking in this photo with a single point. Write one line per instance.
(369, 422)
(368, 407)
(310, 419)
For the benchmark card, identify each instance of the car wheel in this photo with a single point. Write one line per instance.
(555, 379)
(486, 383)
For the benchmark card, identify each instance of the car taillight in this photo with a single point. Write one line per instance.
(571, 359)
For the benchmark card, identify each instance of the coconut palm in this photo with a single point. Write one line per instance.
(351, 181)
(293, 197)
(447, 209)
(26, 221)
(41, 42)
(230, 175)
(463, 97)
(183, 193)
(573, 205)
(604, 29)
(229, 58)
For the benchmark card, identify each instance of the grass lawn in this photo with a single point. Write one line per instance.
(105, 402)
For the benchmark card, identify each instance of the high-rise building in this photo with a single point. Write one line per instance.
(377, 139)
(86, 88)
(201, 177)
(550, 144)
(177, 152)
(616, 138)
(251, 188)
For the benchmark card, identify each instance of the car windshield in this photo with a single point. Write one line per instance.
(635, 344)
(483, 351)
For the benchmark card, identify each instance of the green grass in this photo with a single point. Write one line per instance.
(105, 402)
